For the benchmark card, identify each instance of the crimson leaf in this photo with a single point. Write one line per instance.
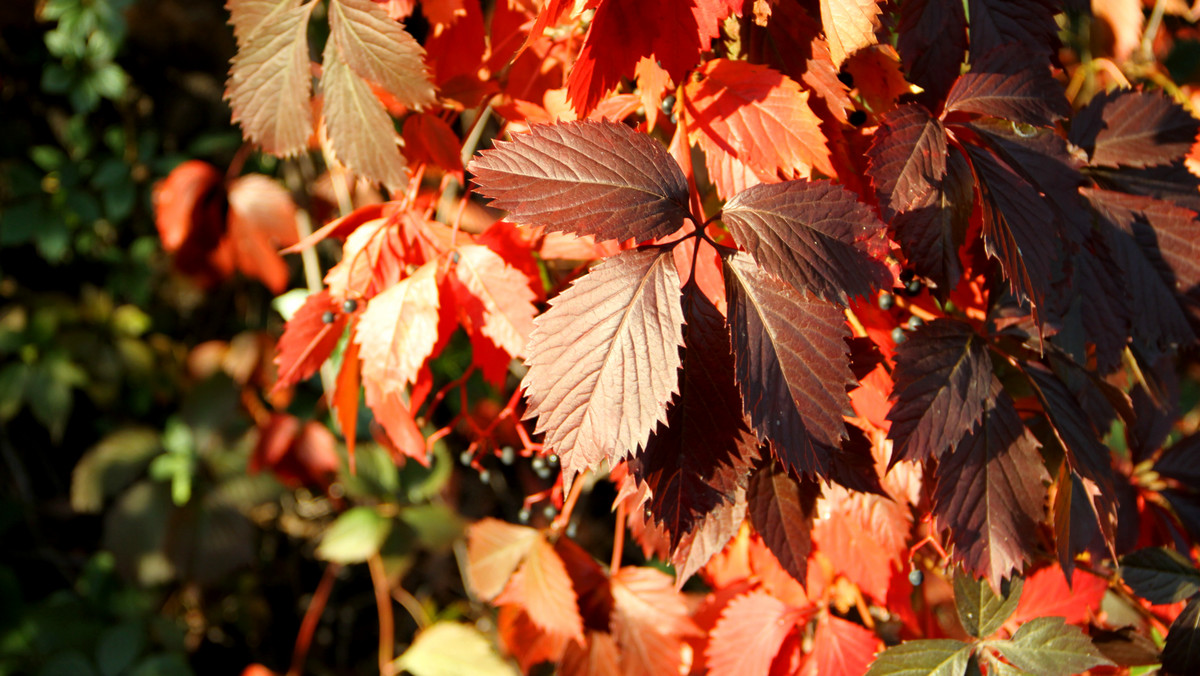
(988, 492)
(1078, 434)
(933, 231)
(1008, 83)
(781, 510)
(1027, 24)
(587, 178)
(598, 387)
(792, 365)
(907, 158)
(932, 44)
(809, 234)
(1127, 128)
(943, 378)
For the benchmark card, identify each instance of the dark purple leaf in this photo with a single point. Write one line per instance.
(989, 493)
(604, 359)
(1160, 575)
(1077, 433)
(587, 178)
(854, 466)
(1027, 24)
(932, 233)
(781, 510)
(810, 234)
(708, 537)
(1182, 461)
(1170, 182)
(1012, 84)
(1078, 523)
(932, 45)
(1100, 303)
(790, 357)
(943, 379)
(1181, 652)
(1125, 646)
(1127, 128)
(907, 159)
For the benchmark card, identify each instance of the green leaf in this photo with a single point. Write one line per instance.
(1048, 646)
(936, 657)
(980, 610)
(1160, 575)
(119, 646)
(355, 536)
(437, 526)
(450, 649)
(110, 466)
(12, 389)
(68, 664)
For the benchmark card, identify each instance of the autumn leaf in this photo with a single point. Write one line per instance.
(360, 128)
(649, 621)
(307, 340)
(1046, 593)
(542, 587)
(1027, 24)
(499, 299)
(599, 387)
(495, 549)
(748, 635)
(1011, 84)
(586, 178)
(781, 510)
(398, 330)
(840, 647)
(1127, 128)
(932, 43)
(755, 117)
(269, 82)
(934, 230)
(262, 220)
(907, 158)
(849, 26)
(867, 535)
(380, 51)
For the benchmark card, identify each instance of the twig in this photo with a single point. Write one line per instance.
(618, 539)
(383, 605)
(312, 615)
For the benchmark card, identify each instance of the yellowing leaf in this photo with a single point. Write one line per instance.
(453, 649)
(494, 550)
(500, 298)
(849, 26)
(269, 82)
(398, 330)
(355, 536)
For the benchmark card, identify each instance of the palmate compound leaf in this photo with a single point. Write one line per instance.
(781, 510)
(943, 379)
(980, 610)
(700, 459)
(269, 82)
(542, 587)
(359, 127)
(604, 359)
(932, 44)
(749, 633)
(586, 178)
(499, 302)
(923, 657)
(792, 364)
(933, 231)
(398, 330)
(1048, 646)
(907, 158)
(1127, 128)
(840, 647)
(989, 492)
(1025, 24)
(810, 234)
(1181, 653)
(1012, 84)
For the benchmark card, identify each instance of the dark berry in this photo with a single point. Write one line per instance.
(913, 287)
(846, 79)
(668, 104)
(857, 118)
(907, 276)
(916, 577)
(328, 317)
(455, 257)
(349, 305)
(886, 300)
(915, 322)
(898, 335)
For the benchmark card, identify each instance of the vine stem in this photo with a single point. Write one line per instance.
(312, 615)
(618, 539)
(413, 606)
(387, 623)
(564, 517)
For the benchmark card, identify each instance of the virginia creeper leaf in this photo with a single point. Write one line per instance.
(587, 178)
(758, 117)
(867, 534)
(398, 330)
(379, 50)
(980, 610)
(1046, 593)
(781, 510)
(932, 44)
(708, 537)
(1050, 646)
(598, 387)
(1027, 24)
(360, 129)
(307, 341)
(345, 398)
(841, 647)
(749, 633)
(494, 551)
(1079, 435)
(791, 361)
(1160, 575)
(649, 621)
(849, 26)
(989, 492)
(269, 82)
(448, 648)
(1009, 83)
(1127, 128)
(1181, 653)
(261, 220)
(500, 302)
(1181, 461)
(600, 656)
(943, 379)
(542, 587)
(907, 158)
(355, 536)
(923, 657)
(811, 235)
(933, 231)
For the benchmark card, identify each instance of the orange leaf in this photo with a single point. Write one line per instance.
(345, 398)
(358, 274)
(398, 330)
(1046, 593)
(866, 535)
(494, 550)
(840, 648)
(849, 26)
(542, 587)
(649, 621)
(748, 635)
(498, 301)
(394, 416)
(262, 219)
(600, 656)
(877, 77)
(526, 641)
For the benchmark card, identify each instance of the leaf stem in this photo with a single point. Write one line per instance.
(564, 516)
(413, 606)
(312, 615)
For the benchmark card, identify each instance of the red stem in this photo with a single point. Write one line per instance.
(311, 616)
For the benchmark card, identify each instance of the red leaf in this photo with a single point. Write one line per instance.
(394, 416)
(380, 51)
(526, 641)
(707, 538)
(345, 398)
(398, 330)
(542, 587)
(429, 140)
(907, 158)
(494, 551)
(1133, 129)
(262, 219)
(849, 26)
(1012, 84)
(299, 454)
(600, 656)
(748, 635)
(989, 493)
(598, 387)
(943, 380)
(189, 211)
(1028, 24)
(932, 43)
(840, 648)
(811, 235)
(307, 340)
(269, 82)
(1075, 430)
(360, 129)
(649, 620)
(866, 535)
(756, 117)
(498, 299)
(586, 178)
(791, 363)
(781, 510)
(1045, 593)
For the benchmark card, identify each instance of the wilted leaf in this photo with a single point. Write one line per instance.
(598, 387)
(749, 633)
(782, 510)
(452, 649)
(923, 657)
(791, 361)
(398, 330)
(355, 536)
(587, 178)
(980, 610)
(1049, 646)
(812, 235)
(494, 550)
(1160, 575)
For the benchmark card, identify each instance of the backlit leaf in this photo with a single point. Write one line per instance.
(587, 178)
(1049, 646)
(1010, 84)
(708, 537)
(262, 220)
(450, 649)
(989, 493)
(494, 551)
(307, 341)
(360, 129)
(542, 587)
(269, 81)
(933, 231)
(907, 158)
(841, 647)
(380, 51)
(791, 362)
(598, 387)
(398, 330)
(355, 536)
(923, 657)
(849, 26)
(748, 635)
(1127, 128)
(980, 609)
(500, 302)
(1045, 593)
(811, 235)
(649, 621)
(781, 510)
(1160, 575)
(943, 379)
